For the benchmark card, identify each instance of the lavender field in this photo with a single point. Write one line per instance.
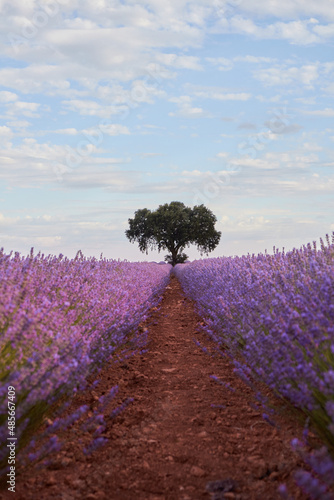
(61, 320)
(275, 315)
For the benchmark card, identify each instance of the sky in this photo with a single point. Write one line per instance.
(115, 105)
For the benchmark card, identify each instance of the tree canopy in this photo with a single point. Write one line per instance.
(173, 227)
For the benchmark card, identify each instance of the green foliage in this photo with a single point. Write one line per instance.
(180, 258)
(173, 227)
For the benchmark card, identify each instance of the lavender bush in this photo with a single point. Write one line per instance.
(60, 321)
(276, 312)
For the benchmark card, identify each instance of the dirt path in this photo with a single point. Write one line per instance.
(171, 441)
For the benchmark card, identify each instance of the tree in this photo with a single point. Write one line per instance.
(173, 227)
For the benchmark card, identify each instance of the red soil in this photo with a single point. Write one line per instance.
(171, 443)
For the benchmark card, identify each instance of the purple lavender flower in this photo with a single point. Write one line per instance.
(62, 320)
(276, 313)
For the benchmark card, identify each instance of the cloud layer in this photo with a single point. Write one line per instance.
(113, 105)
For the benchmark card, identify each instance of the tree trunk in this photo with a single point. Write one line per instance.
(174, 257)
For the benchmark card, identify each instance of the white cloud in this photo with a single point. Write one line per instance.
(93, 108)
(28, 109)
(279, 176)
(110, 47)
(39, 77)
(111, 129)
(35, 164)
(186, 110)
(258, 163)
(95, 134)
(182, 100)
(6, 96)
(222, 63)
(299, 32)
(194, 173)
(327, 112)
(325, 31)
(289, 10)
(254, 59)
(215, 93)
(16, 109)
(306, 75)
(6, 136)
(141, 91)
(5, 132)
(6, 220)
(115, 129)
(220, 96)
(306, 100)
(252, 223)
(180, 62)
(66, 131)
(309, 146)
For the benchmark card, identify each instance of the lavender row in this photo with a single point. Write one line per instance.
(276, 313)
(60, 321)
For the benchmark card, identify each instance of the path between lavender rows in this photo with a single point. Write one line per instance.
(182, 432)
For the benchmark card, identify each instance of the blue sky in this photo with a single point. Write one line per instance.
(110, 106)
